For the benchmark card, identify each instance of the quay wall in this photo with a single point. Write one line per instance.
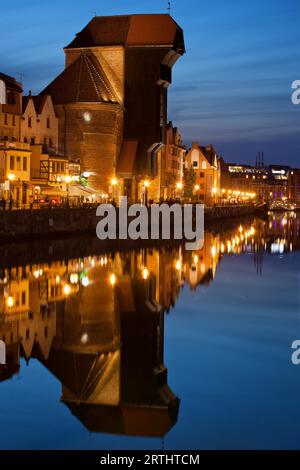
(48, 222)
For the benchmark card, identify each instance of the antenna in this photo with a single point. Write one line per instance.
(95, 13)
(169, 7)
(20, 76)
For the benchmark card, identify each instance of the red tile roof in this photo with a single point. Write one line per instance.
(130, 30)
(82, 81)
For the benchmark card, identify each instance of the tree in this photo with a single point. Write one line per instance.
(189, 180)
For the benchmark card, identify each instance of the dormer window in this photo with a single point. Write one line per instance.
(29, 122)
(48, 123)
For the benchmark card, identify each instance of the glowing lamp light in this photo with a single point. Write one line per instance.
(86, 174)
(214, 190)
(84, 338)
(213, 251)
(196, 259)
(146, 183)
(114, 181)
(10, 301)
(112, 279)
(85, 281)
(87, 116)
(197, 187)
(178, 265)
(67, 289)
(68, 179)
(179, 185)
(145, 274)
(11, 176)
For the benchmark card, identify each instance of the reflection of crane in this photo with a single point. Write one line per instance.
(259, 260)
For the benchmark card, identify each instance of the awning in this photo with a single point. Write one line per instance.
(126, 159)
(79, 190)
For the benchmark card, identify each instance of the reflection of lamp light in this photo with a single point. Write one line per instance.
(213, 251)
(10, 301)
(145, 274)
(67, 289)
(114, 181)
(178, 265)
(112, 279)
(85, 281)
(214, 190)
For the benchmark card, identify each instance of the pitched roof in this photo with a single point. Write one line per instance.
(209, 152)
(130, 30)
(38, 102)
(11, 82)
(82, 81)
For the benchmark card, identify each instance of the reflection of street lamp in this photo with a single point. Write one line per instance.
(146, 186)
(68, 180)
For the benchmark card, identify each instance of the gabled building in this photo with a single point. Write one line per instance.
(172, 162)
(39, 123)
(205, 163)
(14, 154)
(111, 101)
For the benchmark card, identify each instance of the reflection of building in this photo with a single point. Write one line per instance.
(112, 115)
(294, 185)
(97, 323)
(204, 162)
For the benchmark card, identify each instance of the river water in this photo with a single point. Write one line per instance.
(153, 348)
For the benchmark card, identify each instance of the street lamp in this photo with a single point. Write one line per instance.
(146, 186)
(68, 180)
(11, 177)
(114, 183)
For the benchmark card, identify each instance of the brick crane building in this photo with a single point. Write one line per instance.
(111, 100)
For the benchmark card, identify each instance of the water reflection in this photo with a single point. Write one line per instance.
(97, 323)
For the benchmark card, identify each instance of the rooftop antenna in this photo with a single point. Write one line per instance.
(169, 7)
(20, 76)
(95, 13)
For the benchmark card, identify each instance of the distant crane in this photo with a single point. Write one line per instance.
(169, 7)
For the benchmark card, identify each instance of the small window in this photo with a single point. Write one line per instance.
(203, 165)
(29, 122)
(201, 175)
(25, 140)
(12, 162)
(48, 123)
(14, 120)
(195, 164)
(50, 142)
(46, 331)
(18, 163)
(32, 141)
(5, 119)
(24, 163)
(23, 298)
(27, 334)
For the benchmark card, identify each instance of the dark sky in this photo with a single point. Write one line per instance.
(232, 88)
